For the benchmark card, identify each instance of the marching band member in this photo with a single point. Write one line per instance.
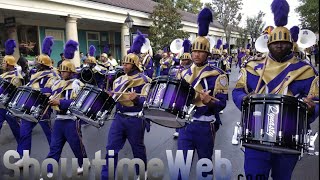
(247, 57)
(294, 32)
(165, 62)
(66, 127)
(99, 71)
(297, 78)
(241, 53)
(105, 60)
(226, 60)
(208, 81)
(147, 64)
(185, 63)
(216, 55)
(128, 124)
(12, 75)
(43, 81)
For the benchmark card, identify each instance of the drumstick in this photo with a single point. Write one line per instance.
(213, 98)
(260, 79)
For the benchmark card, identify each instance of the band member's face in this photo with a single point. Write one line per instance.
(66, 75)
(127, 67)
(103, 59)
(199, 57)
(185, 62)
(280, 49)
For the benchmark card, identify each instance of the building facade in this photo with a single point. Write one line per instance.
(90, 22)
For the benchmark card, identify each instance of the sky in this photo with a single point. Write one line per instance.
(252, 7)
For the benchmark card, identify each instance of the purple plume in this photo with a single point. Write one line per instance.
(294, 31)
(106, 48)
(186, 46)
(219, 43)
(69, 49)
(138, 43)
(280, 9)
(248, 46)
(46, 45)
(10, 45)
(92, 50)
(204, 20)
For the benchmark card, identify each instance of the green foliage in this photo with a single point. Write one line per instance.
(241, 41)
(166, 25)
(227, 14)
(192, 6)
(309, 14)
(255, 25)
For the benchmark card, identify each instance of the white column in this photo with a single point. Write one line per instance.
(125, 42)
(72, 34)
(12, 34)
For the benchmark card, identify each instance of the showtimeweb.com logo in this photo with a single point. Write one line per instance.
(221, 169)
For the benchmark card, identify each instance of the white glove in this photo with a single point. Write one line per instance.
(97, 68)
(76, 86)
(85, 65)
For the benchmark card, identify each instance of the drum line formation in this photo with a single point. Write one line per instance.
(273, 120)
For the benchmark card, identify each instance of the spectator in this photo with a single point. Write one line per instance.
(113, 61)
(62, 58)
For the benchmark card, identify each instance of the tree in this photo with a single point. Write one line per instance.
(227, 14)
(166, 25)
(309, 14)
(255, 25)
(192, 6)
(241, 41)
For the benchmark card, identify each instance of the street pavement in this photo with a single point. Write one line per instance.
(160, 139)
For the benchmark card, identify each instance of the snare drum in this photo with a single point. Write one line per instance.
(92, 105)
(168, 101)
(7, 90)
(28, 104)
(274, 123)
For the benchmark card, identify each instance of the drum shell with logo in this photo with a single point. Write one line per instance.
(92, 105)
(275, 123)
(28, 104)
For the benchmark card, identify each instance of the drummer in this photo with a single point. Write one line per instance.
(208, 81)
(284, 74)
(12, 75)
(98, 70)
(66, 127)
(128, 123)
(185, 63)
(41, 81)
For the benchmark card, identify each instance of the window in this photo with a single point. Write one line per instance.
(93, 36)
(56, 34)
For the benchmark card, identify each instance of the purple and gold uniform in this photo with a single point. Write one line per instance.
(66, 127)
(42, 81)
(287, 76)
(16, 79)
(128, 124)
(199, 134)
